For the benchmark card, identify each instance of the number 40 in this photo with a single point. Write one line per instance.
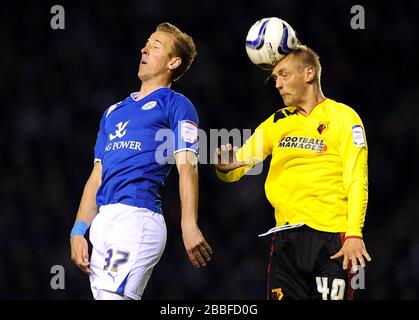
(338, 288)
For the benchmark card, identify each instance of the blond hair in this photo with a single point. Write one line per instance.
(308, 57)
(184, 48)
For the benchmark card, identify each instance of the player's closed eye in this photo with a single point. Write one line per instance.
(156, 44)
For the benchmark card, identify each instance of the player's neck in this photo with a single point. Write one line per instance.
(311, 100)
(151, 85)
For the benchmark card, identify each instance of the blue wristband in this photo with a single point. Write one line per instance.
(79, 228)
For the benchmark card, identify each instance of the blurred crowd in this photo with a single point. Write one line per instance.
(55, 85)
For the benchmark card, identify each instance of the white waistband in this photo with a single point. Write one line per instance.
(281, 228)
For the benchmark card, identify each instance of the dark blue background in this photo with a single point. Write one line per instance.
(56, 84)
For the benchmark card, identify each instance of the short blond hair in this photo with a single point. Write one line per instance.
(308, 57)
(184, 48)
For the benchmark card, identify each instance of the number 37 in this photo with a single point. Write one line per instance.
(123, 258)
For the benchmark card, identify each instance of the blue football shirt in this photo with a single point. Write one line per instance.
(136, 143)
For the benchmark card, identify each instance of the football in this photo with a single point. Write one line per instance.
(268, 41)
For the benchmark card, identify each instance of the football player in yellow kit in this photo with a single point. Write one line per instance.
(317, 184)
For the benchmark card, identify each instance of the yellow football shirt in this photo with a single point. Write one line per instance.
(318, 172)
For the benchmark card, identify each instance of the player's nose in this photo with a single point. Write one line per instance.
(144, 50)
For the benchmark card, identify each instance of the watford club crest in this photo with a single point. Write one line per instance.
(277, 294)
(322, 127)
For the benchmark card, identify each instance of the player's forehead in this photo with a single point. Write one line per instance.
(164, 38)
(285, 64)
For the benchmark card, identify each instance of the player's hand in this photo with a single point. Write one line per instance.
(80, 253)
(354, 251)
(225, 159)
(196, 246)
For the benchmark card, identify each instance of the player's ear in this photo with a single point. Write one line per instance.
(174, 63)
(310, 74)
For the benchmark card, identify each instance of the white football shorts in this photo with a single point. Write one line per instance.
(127, 243)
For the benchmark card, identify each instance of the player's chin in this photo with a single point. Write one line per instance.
(286, 100)
(141, 71)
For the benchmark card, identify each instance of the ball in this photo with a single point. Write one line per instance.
(268, 41)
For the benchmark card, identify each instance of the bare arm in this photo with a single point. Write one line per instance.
(196, 246)
(87, 211)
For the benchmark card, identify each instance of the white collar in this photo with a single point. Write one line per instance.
(135, 94)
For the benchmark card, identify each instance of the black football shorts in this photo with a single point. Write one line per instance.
(300, 267)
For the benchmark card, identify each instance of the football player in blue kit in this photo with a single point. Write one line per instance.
(121, 201)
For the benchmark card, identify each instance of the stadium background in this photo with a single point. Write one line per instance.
(56, 84)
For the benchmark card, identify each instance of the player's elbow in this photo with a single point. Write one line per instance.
(188, 169)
